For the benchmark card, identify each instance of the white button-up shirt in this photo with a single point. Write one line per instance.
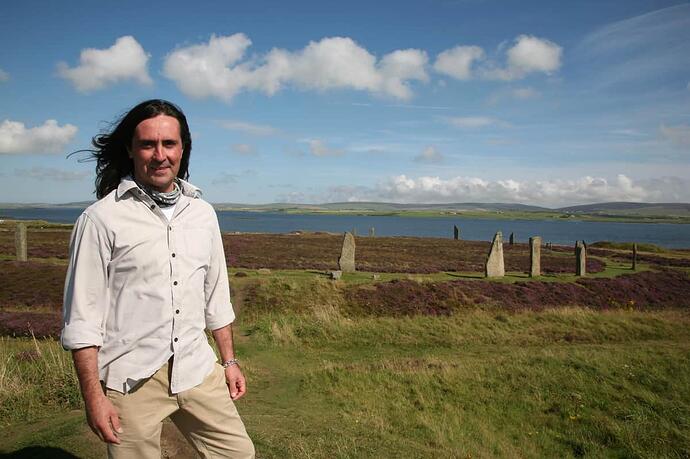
(143, 288)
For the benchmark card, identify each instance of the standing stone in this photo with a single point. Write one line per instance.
(581, 258)
(372, 232)
(456, 232)
(354, 231)
(20, 241)
(535, 256)
(346, 262)
(511, 241)
(634, 257)
(494, 262)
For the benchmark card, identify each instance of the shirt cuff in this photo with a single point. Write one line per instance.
(77, 336)
(220, 319)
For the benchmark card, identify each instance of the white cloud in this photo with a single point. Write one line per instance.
(15, 138)
(243, 149)
(249, 128)
(51, 173)
(529, 54)
(4, 76)
(677, 135)
(397, 68)
(207, 70)
(532, 54)
(471, 122)
(218, 68)
(98, 68)
(457, 62)
(551, 193)
(319, 148)
(429, 155)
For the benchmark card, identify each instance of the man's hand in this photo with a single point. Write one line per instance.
(235, 381)
(103, 419)
(233, 375)
(100, 412)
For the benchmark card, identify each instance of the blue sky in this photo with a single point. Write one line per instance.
(430, 101)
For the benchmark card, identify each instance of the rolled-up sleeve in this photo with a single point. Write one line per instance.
(218, 312)
(86, 286)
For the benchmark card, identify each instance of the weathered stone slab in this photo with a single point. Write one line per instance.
(336, 275)
(20, 241)
(372, 232)
(495, 266)
(634, 257)
(456, 232)
(511, 240)
(346, 262)
(580, 258)
(535, 256)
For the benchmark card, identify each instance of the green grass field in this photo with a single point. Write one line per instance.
(331, 376)
(482, 383)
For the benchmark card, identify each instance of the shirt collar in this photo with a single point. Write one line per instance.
(128, 184)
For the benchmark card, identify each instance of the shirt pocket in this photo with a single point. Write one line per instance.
(197, 248)
(131, 245)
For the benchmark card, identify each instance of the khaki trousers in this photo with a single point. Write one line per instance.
(205, 414)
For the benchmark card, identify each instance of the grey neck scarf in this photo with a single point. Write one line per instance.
(163, 199)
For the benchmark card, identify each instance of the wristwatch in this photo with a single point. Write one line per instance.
(229, 363)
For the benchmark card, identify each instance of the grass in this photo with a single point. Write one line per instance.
(483, 383)
(36, 379)
(628, 246)
(418, 364)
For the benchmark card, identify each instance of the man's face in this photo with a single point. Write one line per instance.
(156, 151)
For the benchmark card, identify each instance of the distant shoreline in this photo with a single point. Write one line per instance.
(619, 216)
(487, 214)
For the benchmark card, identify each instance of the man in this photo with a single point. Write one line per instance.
(146, 278)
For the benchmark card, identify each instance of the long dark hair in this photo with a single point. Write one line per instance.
(110, 149)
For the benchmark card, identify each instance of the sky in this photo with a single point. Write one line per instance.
(440, 101)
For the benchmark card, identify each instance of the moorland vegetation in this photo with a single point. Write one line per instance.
(415, 355)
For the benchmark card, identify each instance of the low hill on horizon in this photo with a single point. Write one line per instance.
(613, 208)
(385, 206)
(628, 208)
(603, 209)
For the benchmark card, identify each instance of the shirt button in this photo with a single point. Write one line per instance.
(173, 254)
(175, 283)
(177, 311)
(175, 340)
